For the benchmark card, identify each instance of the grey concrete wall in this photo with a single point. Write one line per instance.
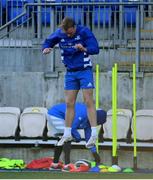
(125, 157)
(23, 59)
(41, 89)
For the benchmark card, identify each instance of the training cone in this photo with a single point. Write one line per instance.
(94, 169)
(104, 170)
(102, 166)
(128, 170)
(114, 168)
(93, 163)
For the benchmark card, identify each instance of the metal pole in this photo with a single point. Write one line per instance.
(138, 39)
(52, 26)
(121, 22)
(39, 26)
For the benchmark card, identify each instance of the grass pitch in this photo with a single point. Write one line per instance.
(67, 175)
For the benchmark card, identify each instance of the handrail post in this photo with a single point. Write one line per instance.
(120, 22)
(39, 26)
(52, 55)
(137, 57)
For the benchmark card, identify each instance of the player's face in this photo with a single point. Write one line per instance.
(71, 32)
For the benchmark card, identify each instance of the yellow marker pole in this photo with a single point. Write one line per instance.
(97, 98)
(115, 99)
(114, 111)
(134, 116)
(97, 86)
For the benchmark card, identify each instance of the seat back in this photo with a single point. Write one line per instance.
(144, 125)
(9, 118)
(124, 117)
(15, 8)
(33, 122)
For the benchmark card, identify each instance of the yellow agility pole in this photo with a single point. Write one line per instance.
(97, 98)
(114, 111)
(97, 86)
(134, 117)
(115, 99)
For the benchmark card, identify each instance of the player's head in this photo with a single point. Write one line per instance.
(101, 116)
(68, 26)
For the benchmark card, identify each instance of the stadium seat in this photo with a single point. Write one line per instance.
(15, 7)
(129, 14)
(1, 14)
(3, 3)
(144, 125)
(9, 118)
(102, 14)
(124, 117)
(46, 11)
(76, 12)
(33, 122)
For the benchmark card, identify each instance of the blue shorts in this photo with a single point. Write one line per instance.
(79, 80)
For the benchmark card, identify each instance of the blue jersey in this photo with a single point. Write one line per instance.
(73, 58)
(80, 120)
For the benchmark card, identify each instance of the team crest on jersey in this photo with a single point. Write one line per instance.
(89, 84)
(78, 37)
(62, 40)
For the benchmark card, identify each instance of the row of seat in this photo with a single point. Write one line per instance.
(33, 122)
(100, 14)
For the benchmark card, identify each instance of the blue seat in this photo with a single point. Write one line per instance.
(15, 7)
(3, 3)
(76, 12)
(129, 13)
(46, 11)
(0, 13)
(102, 14)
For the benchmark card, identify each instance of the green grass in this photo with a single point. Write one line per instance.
(65, 175)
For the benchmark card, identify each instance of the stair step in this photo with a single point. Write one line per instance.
(15, 43)
(132, 52)
(143, 44)
(129, 64)
(147, 19)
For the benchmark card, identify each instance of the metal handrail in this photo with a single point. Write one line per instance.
(68, 4)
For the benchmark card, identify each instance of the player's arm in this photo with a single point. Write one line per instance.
(50, 42)
(74, 131)
(91, 45)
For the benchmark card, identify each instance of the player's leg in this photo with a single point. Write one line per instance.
(96, 158)
(67, 151)
(71, 91)
(87, 85)
(56, 165)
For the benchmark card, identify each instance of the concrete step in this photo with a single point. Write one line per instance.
(15, 43)
(147, 31)
(126, 57)
(148, 23)
(146, 34)
(143, 43)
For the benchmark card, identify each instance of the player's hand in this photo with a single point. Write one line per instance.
(80, 47)
(47, 50)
